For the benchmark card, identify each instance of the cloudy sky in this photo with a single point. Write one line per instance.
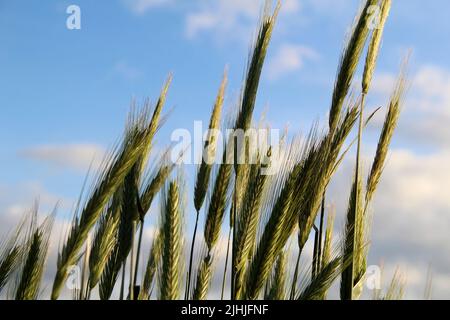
(65, 95)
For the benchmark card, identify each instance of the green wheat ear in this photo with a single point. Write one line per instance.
(108, 182)
(276, 287)
(11, 253)
(171, 240)
(349, 62)
(34, 265)
(151, 268)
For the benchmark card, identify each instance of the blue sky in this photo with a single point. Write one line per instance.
(65, 94)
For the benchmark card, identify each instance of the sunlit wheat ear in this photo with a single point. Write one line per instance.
(321, 163)
(204, 171)
(349, 62)
(327, 249)
(316, 171)
(374, 46)
(279, 224)
(128, 192)
(103, 245)
(151, 268)
(154, 184)
(130, 214)
(109, 180)
(203, 278)
(254, 69)
(276, 286)
(326, 255)
(171, 221)
(35, 255)
(390, 123)
(217, 206)
(246, 226)
(218, 201)
(110, 269)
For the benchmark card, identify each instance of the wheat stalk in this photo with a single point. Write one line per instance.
(103, 245)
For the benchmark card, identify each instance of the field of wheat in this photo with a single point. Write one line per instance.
(261, 214)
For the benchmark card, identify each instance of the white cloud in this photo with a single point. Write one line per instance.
(200, 21)
(230, 18)
(426, 112)
(411, 211)
(222, 16)
(412, 215)
(142, 6)
(289, 58)
(412, 208)
(331, 6)
(74, 156)
(127, 71)
(235, 19)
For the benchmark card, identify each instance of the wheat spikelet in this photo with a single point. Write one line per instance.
(169, 284)
(109, 181)
(128, 193)
(203, 278)
(204, 171)
(349, 63)
(277, 285)
(374, 46)
(271, 240)
(209, 149)
(327, 249)
(153, 186)
(248, 222)
(31, 272)
(326, 254)
(321, 165)
(387, 132)
(254, 70)
(103, 245)
(150, 270)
